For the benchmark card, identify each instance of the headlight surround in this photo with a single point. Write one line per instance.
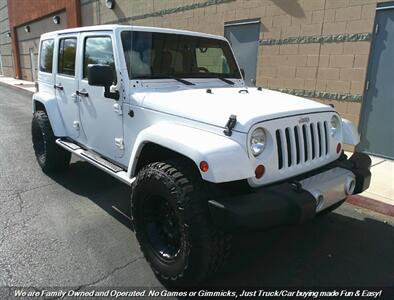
(334, 125)
(258, 141)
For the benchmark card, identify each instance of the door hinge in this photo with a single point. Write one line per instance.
(376, 28)
(118, 109)
(76, 125)
(75, 97)
(119, 142)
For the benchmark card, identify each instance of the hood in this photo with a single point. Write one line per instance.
(216, 107)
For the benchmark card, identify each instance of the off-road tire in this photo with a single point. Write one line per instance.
(204, 248)
(50, 156)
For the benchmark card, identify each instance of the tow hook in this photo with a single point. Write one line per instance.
(296, 186)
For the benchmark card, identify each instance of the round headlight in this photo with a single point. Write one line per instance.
(257, 141)
(334, 125)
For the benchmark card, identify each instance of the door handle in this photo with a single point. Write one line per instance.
(84, 94)
(58, 87)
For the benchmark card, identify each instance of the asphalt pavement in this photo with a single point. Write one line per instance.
(73, 230)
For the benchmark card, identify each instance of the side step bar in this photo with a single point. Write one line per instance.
(96, 160)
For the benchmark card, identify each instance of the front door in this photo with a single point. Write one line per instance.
(244, 39)
(66, 83)
(377, 125)
(101, 117)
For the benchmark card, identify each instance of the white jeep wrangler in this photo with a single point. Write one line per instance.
(168, 113)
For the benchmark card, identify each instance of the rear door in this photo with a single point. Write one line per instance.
(66, 84)
(46, 76)
(101, 117)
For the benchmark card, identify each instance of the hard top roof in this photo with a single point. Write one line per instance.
(116, 27)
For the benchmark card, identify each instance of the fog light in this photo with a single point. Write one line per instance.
(259, 172)
(204, 166)
(339, 147)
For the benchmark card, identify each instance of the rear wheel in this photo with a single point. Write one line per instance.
(172, 225)
(50, 156)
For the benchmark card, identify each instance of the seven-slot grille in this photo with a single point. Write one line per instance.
(302, 143)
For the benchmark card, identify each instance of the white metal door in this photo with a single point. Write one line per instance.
(1, 65)
(244, 39)
(33, 64)
(377, 125)
(101, 117)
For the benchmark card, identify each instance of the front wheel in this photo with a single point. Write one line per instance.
(50, 156)
(172, 225)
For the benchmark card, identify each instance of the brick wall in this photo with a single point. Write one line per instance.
(5, 41)
(332, 69)
(29, 41)
(37, 10)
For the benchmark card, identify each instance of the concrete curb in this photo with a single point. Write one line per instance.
(16, 88)
(371, 204)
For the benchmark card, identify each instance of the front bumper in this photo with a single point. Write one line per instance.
(296, 200)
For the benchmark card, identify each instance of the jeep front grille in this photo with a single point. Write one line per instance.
(301, 144)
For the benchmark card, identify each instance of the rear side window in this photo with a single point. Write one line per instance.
(98, 50)
(67, 51)
(46, 56)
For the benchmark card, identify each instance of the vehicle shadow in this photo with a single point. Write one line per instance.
(344, 248)
(333, 250)
(102, 189)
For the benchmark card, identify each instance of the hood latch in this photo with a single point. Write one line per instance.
(230, 125)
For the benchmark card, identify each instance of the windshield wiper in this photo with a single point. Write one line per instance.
(166, 76)
(171, 76)
(217, 76)
(226, 80)
(185, 82)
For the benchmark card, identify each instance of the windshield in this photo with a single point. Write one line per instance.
(164, 55)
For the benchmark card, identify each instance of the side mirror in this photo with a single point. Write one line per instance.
(243, 73)
(102, 75)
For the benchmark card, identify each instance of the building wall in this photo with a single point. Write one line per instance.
(5, 41)
(31, 40)
(313, 48)
(38, 15)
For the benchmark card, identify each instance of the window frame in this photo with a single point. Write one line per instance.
(53, 56)
(237, 74)
(75, 59)
(84, 50)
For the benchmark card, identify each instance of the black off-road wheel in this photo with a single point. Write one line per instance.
(171, 220)
(50, 156)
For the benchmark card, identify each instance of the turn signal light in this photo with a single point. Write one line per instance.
(339, 147)
(259, 172)
(204, 166)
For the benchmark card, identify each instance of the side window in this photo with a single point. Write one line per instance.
(46, 56)
(67, 51)
(98, 50)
